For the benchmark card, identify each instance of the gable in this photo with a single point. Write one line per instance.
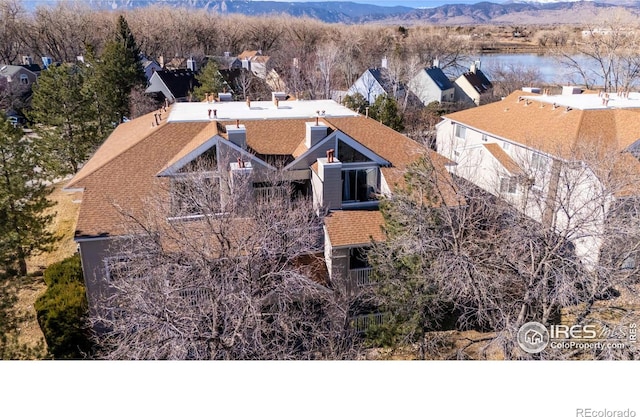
(336, 140)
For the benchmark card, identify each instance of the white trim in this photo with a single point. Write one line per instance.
(182, 162)
(244, 152)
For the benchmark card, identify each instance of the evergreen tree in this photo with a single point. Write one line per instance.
(386, 111)
(209, 81)
(24, 187)
(356, 102)
(116, 73)
(406, 289)
(65, 117)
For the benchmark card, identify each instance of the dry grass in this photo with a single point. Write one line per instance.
(28, 289)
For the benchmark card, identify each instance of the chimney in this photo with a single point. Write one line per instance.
(473, 69)
(248, 102)
(239, 176)
(237, 134)
(384, 62)
(329, 193)
(161, 61)
(27, 60)
(436, 63)
(315, 133)
(191, 64)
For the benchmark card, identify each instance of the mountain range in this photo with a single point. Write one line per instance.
(512, 12)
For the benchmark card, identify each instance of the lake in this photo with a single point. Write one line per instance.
(551, 70)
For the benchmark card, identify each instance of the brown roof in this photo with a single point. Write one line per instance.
(204, 135)
(556, 131)
(505, 160)
(354, 227)
(124, 137)
(122, 175)
(397, 149)
(276, 136)
(128, 180)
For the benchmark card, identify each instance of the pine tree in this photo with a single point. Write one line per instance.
(24, 187)
(209, 81)
(386, 111)
(65, 116)
(356, 102)
(116, 73)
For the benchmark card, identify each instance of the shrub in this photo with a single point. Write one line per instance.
(62, 310)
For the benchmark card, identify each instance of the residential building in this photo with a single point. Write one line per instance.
(255, 62)
(150, 66)
(344, 162)
(174, 85)
(18, 74)
(377, 81)
(432, 85)
(563, 160)
(473, 86)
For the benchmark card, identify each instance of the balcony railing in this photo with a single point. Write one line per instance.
(364, 322)
(360, 277)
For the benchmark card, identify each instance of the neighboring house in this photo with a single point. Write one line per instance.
(150, 66)
(18, 74)
(431, 84)
(473, 86)
(175, 85)
(342, 160)
(255, 62)
(563, 160)
(227, 61)
(374, 82)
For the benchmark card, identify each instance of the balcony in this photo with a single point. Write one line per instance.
(359, 277)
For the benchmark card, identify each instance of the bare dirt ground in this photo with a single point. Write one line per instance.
(29, 288)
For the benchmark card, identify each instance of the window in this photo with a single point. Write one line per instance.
(538, 162)
(359, 185)
(347, 154)
(195, 194)
(24, 79)
(122, 267)
(461, 131)
(506, 145)
(508, 184)
(485, 138)
(358, 258)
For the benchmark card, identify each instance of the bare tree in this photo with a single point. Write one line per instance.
(11, 16)
(490, 265)
(233, 277)
(606, 55)
(508, 78)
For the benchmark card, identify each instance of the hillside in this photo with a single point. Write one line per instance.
(515, 12)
